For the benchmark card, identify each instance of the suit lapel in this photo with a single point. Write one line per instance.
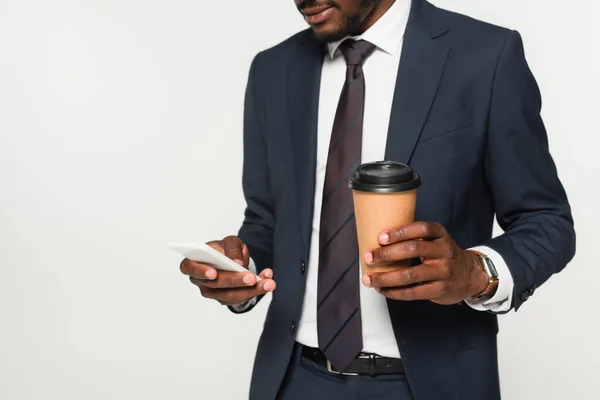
(419, 74)
(421, 68)
(303, 102)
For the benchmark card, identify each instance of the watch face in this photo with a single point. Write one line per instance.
(491, 268)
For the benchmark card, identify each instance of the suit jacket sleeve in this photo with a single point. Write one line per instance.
(530, 202)
(259, 222)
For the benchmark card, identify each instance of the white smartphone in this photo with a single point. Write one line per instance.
(205, 254)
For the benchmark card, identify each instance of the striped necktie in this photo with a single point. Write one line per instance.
(338, 301)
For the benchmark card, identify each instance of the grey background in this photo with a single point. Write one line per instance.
(113, 115)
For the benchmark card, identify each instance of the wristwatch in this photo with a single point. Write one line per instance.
(492, 275)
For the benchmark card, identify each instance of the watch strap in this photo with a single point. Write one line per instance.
(492, 281)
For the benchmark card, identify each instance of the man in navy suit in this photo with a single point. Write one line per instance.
(450, 96)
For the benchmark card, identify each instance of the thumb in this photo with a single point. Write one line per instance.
(217, 245)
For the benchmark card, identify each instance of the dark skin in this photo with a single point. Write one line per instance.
(448, 273)
(346, 17)
(228, 288)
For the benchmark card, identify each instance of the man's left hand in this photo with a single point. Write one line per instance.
(448, 274)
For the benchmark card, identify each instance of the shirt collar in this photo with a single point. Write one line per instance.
(386, 33)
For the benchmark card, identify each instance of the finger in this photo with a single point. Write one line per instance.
(416, 230)
(197, 270)
(406, 251)
(227, 280)
(426, 291)
(239, 295)
(408, 276)
(266, 274)
(232, 246)
(245, 255)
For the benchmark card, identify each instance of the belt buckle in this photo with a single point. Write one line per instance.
(333, 371)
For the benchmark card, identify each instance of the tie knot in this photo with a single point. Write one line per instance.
(356, 51)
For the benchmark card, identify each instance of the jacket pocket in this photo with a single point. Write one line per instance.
(446, 121)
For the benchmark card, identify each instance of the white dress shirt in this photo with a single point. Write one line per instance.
(380, 71)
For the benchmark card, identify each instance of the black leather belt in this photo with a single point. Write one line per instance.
(364, 364)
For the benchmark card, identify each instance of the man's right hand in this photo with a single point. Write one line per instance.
(228, 288)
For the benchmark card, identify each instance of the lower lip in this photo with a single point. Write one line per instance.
(319, 18)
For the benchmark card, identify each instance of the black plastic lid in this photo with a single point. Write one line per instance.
(384, 177)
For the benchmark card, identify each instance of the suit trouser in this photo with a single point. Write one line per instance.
(307, 380)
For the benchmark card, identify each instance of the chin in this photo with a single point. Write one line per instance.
(329, 33)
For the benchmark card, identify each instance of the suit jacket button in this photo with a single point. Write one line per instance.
(303, 267)
(293, 328)
(524, 296)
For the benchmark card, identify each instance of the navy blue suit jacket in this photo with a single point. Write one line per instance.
(466, 116)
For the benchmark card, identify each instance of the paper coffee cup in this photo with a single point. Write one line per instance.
(385, 197)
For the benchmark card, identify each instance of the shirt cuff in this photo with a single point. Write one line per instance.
(252, 302)
(502, 299)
